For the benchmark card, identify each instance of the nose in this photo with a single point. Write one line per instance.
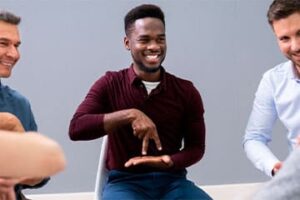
(13, 52)
(295, 45)
(153, 45)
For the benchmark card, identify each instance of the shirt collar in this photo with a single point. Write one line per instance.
(291, 71)
(134, 79)
(132, 76)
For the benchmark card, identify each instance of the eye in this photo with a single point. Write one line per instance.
(17, 45)
(161, 39)
(3, 43)
(284, 39)
(143, 40)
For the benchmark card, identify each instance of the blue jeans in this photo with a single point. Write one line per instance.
(154, 185)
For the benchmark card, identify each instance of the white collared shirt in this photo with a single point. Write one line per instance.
(278, 96)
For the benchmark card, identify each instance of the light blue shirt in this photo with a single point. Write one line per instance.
(13, 102)
(278, 96)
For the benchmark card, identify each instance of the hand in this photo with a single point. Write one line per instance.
(10, 195)
(30, 181)
(160, 162)
(144, 128)
(7, 188)
(276, 168)
(10, 122)
(298, 140)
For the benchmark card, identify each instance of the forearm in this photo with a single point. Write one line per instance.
(260, 155)
(85, 126)
(187, 157)
(91, 126)
(113, 121)
(193, 144)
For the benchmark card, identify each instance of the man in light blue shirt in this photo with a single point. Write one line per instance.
(278, 94)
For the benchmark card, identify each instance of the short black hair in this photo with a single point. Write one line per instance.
(281, 9)
(9, 17)
(142, 11)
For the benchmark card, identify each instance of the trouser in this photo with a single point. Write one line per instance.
(153, 185)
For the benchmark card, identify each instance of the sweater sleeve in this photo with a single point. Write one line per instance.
(87, 122)
(194, 136)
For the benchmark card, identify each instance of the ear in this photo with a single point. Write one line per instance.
(126, 43)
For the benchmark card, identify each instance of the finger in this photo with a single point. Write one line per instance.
(157, 142)
(167, 160)
(145, 145)
(8, 182)
(7, 192)
(134, 131)
(128, 163)
(141, 135)
(138, 132)
(11, 195)
(278, 166)
(298, 141)
(5, 189)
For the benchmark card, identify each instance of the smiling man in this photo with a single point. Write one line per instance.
(146, 113)
(278, 95)
(12, 101)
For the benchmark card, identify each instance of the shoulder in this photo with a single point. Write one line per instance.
(276, 78)
(115, 75)
(280, 72)
(109, 79)
(179, 82)
(15, 95)
(182, 87)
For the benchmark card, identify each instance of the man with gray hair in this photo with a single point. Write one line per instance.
(12, 101)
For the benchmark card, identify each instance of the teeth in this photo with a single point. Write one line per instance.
(152, 56)
(9, 64)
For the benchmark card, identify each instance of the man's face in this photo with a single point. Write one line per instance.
(287, 31)
(147, 43)
(9, 43)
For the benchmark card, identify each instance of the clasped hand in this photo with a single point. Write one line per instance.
(144, 128)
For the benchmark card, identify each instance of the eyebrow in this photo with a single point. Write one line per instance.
(159, 35)
(7, 40)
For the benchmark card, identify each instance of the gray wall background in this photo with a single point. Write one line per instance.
(223, 46)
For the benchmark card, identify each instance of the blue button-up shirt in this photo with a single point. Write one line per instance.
(13, 102)
(278, 96)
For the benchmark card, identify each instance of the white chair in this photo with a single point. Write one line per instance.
(102, 171)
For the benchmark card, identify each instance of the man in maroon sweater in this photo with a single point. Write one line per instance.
(146, 113)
